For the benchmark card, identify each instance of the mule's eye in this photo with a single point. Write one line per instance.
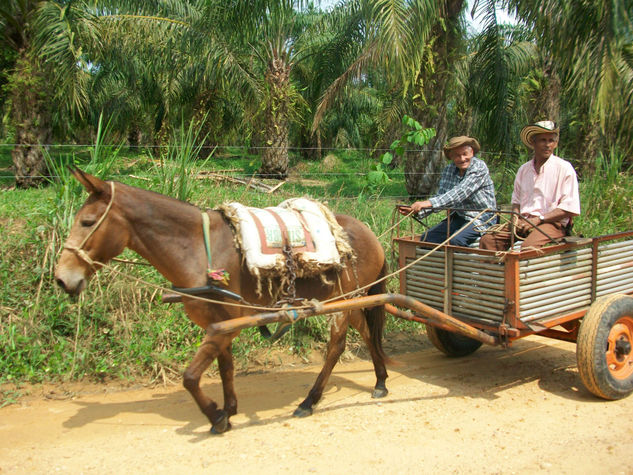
(87, 222)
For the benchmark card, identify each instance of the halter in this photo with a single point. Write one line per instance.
(79, 249)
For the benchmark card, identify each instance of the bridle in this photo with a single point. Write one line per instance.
(79, 249)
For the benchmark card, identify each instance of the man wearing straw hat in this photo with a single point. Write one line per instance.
(465, 184)
(545, 193)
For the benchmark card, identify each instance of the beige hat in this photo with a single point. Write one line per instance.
(542, 127)
(455, 142)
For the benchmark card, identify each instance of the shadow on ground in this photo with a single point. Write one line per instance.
(483, 375)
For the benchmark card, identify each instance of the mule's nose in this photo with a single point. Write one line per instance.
(71, 283)
(61, 283)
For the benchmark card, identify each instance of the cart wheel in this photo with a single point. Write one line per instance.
(450, 343)
(604, 353)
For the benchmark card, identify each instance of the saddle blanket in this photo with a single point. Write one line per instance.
(308, 226)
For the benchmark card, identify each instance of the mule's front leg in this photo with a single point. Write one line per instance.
(210, 348)
(335, 349)
(225, 364)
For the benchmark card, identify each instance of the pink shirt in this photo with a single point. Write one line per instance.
(555, 186)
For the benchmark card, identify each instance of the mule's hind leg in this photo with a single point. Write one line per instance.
(210, 348)
(335, 348)
(358, 321)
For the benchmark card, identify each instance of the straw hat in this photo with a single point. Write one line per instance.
(542, 127)
(455, 142)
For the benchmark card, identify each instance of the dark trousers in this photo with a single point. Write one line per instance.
(439, 232)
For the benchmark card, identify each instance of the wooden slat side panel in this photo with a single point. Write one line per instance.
(615, 268)
(555, 284)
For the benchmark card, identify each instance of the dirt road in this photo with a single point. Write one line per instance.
(521, 410)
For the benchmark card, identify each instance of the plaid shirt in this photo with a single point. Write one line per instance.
(474, 190)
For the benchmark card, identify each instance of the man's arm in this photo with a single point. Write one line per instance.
(459, 193)
(442, 188)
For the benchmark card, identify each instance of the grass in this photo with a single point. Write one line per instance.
(120, 330)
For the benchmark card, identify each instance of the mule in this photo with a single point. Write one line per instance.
(168, 233)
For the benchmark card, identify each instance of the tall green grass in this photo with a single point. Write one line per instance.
(175, 174)
(606, 197)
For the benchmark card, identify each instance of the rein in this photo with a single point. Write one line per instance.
(307, 304)
(79, 249)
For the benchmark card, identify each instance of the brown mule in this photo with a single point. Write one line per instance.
(168, 233)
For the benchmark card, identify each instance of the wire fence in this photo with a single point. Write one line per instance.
(229, 147)
(496, 161)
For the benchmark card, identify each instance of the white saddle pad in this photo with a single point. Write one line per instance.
(307, 225)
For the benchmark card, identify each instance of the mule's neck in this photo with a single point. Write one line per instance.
(168, 233)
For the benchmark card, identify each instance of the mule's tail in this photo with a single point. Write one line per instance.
(375, 316)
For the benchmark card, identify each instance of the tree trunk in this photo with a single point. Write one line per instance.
(546, 104)
(32, 122)
(587, 149)
(422, 171)
(275, 153)
(311, 145)
(134, 135)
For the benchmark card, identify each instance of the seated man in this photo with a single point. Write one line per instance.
(464, 184)
(545, 193)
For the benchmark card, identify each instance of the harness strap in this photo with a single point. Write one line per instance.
(79, 249)
(103, 216)
(207, 243)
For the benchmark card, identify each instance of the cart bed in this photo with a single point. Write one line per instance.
(522, 292)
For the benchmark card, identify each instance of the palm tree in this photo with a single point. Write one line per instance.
(591, 42)
(49, 68)
(435, 86)
(335, 40)
(27, 109)
(416, 43)
(140, 71)
(505, 81)
(265, 39)
(220, 47)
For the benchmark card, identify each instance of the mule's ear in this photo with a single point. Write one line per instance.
(91, 183)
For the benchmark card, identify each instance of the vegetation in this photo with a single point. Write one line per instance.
(277, 75)
(153, 92)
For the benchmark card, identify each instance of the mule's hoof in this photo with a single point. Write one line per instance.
(379, 392)
(301, 412)
(221, 424)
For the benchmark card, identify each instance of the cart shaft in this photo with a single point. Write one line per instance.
(429, 314)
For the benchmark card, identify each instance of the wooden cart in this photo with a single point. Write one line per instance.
(578, 292)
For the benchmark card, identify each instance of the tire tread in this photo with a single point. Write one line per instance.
(587, 341)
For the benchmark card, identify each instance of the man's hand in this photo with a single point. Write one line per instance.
(404, 210)
(419, 205)
(523, 225)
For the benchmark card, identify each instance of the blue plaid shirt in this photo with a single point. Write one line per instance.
(474, 190)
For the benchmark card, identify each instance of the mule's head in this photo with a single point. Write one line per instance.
(97, 235)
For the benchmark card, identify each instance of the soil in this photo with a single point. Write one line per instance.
(516, 410)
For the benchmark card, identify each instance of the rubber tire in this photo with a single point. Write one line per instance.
(450, 343)
(592, 339)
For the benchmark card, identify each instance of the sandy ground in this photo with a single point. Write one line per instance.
(521, 410)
